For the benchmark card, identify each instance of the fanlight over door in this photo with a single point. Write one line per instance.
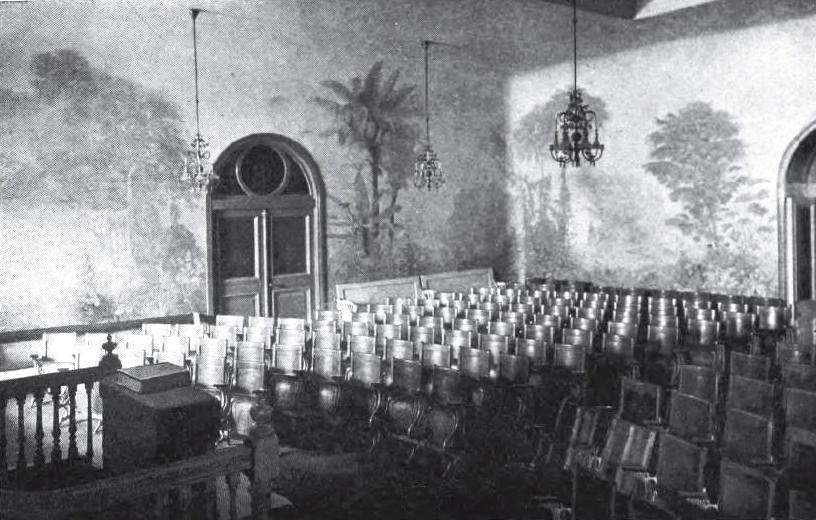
(267, 230)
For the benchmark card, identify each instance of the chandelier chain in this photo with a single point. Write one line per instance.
(195, 13)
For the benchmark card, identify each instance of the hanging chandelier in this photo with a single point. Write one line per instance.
(574, 126)
(198, 172)
(428, 169)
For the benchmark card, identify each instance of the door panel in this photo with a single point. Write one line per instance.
(291, 303)
(290, 245)
(239, 261)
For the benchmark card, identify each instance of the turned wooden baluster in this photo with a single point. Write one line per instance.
(265, 458)
(3, 441)
(89, 451)
(185, 499)
(211, 504)
(73, 452)
(21, 458)
(56, 450)
(233, 479)
(39, 435)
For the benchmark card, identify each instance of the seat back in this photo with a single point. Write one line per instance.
(699, 381)
(690, 417)
(572, 357)
(578, 337)
(533, 349)
(747, 365)
(325, 340)
(232, 320)
(474, 363)
(406, 374)
(288, 359)
(795, 375)
(366, 368)
(362, 344)
(495, 344)
(799, 409)
(751, 395)
(327, 363)
(745, 493)
(501, 328)
(436, 355)
(640, 402)
(680, 464)
(513, 369)
(747, 438)
(399, 348)
(261, 322)
(447, 385)
(618, 347)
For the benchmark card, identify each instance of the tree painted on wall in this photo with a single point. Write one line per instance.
(696, 154)
(548, 218)
(107, 148)
(375, 117)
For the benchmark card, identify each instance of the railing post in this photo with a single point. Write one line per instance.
(265, 458)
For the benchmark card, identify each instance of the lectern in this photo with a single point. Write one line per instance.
(153, 416)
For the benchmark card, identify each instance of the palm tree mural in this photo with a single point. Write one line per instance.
(547, 218)
(375, 117)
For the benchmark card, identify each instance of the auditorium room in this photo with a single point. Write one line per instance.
(418, 259)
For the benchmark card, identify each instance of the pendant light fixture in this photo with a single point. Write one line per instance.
(198, 171)
(574, 125)
(428, 169)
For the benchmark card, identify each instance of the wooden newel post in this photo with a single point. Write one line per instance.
(265, 458)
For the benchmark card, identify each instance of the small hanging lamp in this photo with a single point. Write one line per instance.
(574, 126)
(428, 169)
(198, 172)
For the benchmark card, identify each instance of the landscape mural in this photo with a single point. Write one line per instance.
(695, 113)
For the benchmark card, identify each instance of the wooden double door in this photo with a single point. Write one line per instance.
(264, 255)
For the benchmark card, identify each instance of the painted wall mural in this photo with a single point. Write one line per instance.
(87, 148)
(95, 111)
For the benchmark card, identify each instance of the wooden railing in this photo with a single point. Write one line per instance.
(186, 488)
(61, 388)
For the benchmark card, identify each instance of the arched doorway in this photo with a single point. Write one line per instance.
(797, 223)
(267, 230)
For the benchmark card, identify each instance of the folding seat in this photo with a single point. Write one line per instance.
(250, 366)
(699, 381)
(799, 406)
(263, 334)
(400, 349)
(446, 315)
(663, 340)
(623, 328)
(502, 328)
(362, 344)
(547, 334)
(752, 395)
(436, 355)
(436, 324)
(518, 319)
(535, 350)
(261, 322)
(748, 438)
(420, 335)
(228, 332)
(231, 320)
(744, 493)
(458, 339)
(692, 418)
(550, 320)
(641, 402)
(619, 350)
(795, 375)
(579, 337)
(702, 332)
(680, 471)
(495, 344)
(385, 331)
(588, 324)
(747, 365)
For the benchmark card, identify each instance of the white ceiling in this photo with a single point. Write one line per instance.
(633, 9)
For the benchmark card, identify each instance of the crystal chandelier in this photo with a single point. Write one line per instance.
(574, 126)
(198, 171)
(428, 169)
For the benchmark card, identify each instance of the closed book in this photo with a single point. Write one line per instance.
(147, 379)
